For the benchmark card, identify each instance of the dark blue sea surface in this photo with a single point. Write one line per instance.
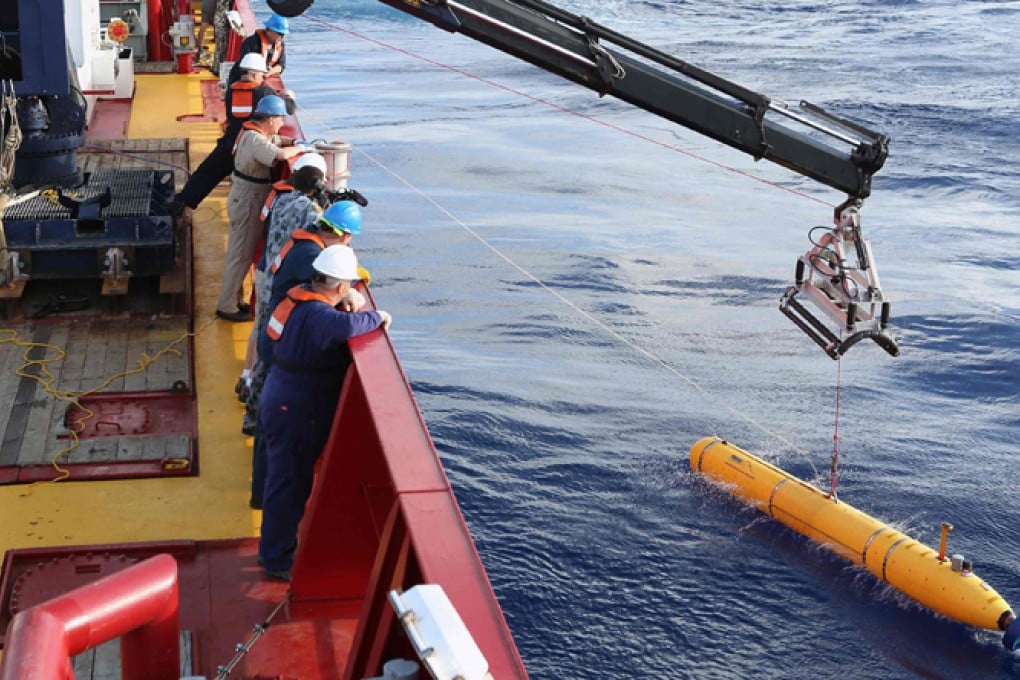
(575, 307)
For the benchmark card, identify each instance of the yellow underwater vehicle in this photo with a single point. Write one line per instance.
(944, 584)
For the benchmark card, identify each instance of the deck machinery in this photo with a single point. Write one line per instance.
(62, 222)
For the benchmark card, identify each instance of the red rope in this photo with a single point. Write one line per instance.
(834, 472)
(564, 109)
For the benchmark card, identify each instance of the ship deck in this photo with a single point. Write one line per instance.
(201, 510)
(162, 466)
(112, 341)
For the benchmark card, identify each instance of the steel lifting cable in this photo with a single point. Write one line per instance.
(10, 140)
(834, 464)
(11, 134)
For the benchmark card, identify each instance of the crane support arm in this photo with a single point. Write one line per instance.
(837, 274)
(806, 140)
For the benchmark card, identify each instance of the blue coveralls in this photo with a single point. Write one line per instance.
(295, 269)
(296, 413)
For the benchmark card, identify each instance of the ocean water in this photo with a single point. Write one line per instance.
(576, 306)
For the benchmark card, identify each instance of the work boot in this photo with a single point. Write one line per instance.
(233, 316)
(273, 575)
(242, 390)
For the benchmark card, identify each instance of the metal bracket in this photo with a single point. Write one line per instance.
(13, 276)
(838, 275)
(116, 273)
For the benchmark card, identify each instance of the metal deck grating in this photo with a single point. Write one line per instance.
(132, 195)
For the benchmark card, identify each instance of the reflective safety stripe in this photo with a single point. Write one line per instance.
(275, 326)
(281, 187)
(242, 99)
(295, 296)
(298, 235)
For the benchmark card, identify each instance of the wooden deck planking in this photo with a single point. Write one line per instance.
(117, 360)
(94, 357)
(71, 370)
(137, 346)
(171, 366)
(36, 444)
(103, 662)
(95, 350)
(10, 359)
(9, 383)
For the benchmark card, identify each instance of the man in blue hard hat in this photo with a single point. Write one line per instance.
(257, 148)
(241, 100)
(267, 41)
(292, 266)
(301, 394)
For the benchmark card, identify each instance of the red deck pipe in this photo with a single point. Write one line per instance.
(138, 604)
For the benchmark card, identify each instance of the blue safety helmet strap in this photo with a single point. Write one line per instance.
(278, 24)
(271, 105)
(343, 217)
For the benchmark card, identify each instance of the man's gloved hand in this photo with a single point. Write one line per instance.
(386, 319)
(352, 301)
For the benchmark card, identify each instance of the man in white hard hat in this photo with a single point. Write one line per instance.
(292, 266)
(310, 359)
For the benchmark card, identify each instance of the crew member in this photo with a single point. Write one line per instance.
(291, 202)
(290, 267)
(258, 146)
(242, 99)
(267, 41)
(301, 393)
(205, 55)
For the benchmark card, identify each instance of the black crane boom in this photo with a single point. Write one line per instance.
(809, 141)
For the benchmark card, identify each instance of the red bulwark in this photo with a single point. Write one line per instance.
(401, 525)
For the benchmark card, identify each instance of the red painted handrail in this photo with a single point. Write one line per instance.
(138, 604)
(382, 515)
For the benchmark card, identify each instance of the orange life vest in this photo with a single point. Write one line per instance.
(247, 126)
(271, 52)
(297, 235)
(242, 99)
(278, 187)
(295, 296)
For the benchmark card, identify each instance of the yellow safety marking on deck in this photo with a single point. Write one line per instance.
(213, 505)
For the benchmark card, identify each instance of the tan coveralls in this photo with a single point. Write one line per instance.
(254, 157)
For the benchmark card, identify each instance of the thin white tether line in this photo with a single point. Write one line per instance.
(609, 330)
